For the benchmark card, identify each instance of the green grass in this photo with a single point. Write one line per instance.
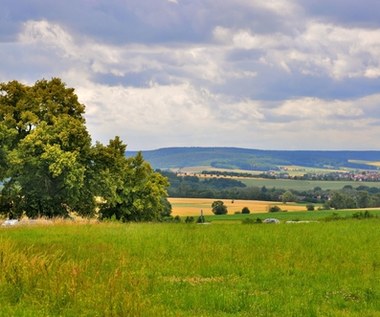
(294, 215)
(304, 184)
(317, 269)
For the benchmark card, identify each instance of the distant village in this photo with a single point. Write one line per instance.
(358, 176)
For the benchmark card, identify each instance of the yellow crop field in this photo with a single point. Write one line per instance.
(371, 163)
(193, 206)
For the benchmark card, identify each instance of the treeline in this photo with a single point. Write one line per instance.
(49, 166)
(238, 174)
(225, 188)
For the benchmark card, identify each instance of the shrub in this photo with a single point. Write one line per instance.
(362, 215)
(177, 219)
(310, 207)
(201, 219)
(245, 210)
(167, 219)
(274, 209)
(249, 221)
(189, 219)
(335, 216)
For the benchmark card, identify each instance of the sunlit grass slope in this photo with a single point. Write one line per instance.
(316, 269)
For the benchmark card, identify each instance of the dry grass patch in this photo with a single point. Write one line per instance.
(193, 206)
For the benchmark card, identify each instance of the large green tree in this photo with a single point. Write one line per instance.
(130, 189)
(46, 152)
(49, 167)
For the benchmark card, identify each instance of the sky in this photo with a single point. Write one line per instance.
(273, 74)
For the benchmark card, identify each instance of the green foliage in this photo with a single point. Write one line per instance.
(49, 167)
(46, 150)
(334, 216)
(288, 196)
(310, 207)
(362, 215)
(341, 200)
(249, 221)
(245, 210)
(201, 219)
(131, 190)
(189, 219)
(218, 208)
(357, 215)
(274, 209)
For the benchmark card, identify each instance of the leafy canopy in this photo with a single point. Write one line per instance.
(219, 208)
(49, 167)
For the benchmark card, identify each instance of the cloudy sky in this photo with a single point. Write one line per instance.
(273, 74)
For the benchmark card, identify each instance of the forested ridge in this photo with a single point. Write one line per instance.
(254, 159)
(49, 166)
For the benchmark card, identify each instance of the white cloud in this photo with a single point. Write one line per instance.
(318, 109)
(171, 110)
(278, 7)
(245, 39)
(243, 73)
(320, 49)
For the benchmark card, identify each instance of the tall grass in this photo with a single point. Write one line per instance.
(317, 269)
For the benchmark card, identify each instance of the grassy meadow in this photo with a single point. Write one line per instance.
(320, 215)
(193, 206)
(110, 269)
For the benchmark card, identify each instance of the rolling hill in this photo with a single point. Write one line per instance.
(253, 159)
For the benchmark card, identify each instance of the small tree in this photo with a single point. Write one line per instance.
(245, 210)
(287, 196)
(310, 207)
(274, 209)
(218, 208)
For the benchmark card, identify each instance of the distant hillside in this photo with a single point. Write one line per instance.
(251, 159)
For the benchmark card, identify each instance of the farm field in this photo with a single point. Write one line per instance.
(193, 206)
(293, 170)
(370, 163)
(304, 184)
(110, 269)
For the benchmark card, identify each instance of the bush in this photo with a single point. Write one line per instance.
(249, 221)
(334, 217)
(201, 219)
(245, 210)
(274, 209)
(189, 219)
(176, 219)
(362, 215)
(218, 208)
(310, 207)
